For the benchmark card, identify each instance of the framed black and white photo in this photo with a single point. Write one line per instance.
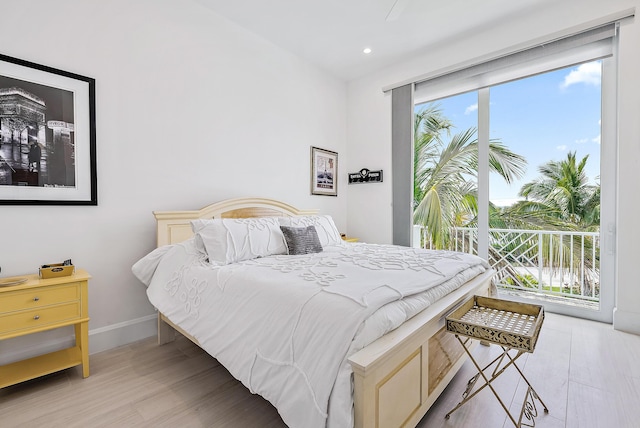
(47, 135)
(324, 172)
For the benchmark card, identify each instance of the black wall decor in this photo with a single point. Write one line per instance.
(47, 135)
(365, 176)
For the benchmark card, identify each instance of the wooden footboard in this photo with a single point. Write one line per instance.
(399, 376)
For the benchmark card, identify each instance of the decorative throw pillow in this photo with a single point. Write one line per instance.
(325, 227)
(230, 240)
(301, 240)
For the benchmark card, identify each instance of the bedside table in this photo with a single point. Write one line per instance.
(44, 304)
(349, 239)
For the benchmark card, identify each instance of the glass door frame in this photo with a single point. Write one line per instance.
(608, 198)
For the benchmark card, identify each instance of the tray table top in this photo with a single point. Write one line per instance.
(503, 322)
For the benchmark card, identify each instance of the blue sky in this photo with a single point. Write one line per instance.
(542, 118)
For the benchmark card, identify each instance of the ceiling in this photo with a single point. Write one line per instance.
(333, 33)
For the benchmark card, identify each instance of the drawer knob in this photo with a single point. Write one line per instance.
(37, 317)
(35, 299)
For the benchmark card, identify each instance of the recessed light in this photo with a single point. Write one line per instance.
(366, 50)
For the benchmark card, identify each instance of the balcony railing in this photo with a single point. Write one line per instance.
(563, 264)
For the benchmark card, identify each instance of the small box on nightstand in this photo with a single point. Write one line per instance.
(55, 270)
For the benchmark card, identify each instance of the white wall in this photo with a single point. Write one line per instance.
(191, 109)
(369, 133)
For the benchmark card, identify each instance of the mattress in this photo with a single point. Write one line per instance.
(285, 325)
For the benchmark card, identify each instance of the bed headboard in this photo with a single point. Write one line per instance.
(175, 226)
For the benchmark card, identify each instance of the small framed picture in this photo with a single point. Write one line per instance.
(324, 172)
(47, 135)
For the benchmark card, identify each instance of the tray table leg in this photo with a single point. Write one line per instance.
(529, 410)
(496, 372)
(487, 383)
(535, 394)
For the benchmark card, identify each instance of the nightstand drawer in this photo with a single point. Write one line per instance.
(37, 318)
(38, 297)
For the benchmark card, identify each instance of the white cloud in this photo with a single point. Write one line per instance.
(471, 108)
(589, 74)
(596, 139)
(582, 140)
(562, 147)
(505, 202)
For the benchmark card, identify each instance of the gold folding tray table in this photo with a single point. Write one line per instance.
(512, 326)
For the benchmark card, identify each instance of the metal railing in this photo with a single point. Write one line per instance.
(554, 263)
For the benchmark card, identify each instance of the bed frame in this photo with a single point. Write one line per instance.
(397, 377)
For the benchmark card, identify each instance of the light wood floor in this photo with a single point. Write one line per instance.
(587, 374)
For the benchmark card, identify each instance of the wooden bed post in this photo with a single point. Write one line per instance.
(166, 333)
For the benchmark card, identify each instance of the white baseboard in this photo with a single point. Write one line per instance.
(626, 321)
(100, 339)
(112, 336)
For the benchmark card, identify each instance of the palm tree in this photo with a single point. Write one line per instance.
(445, 173)
(564, 187)
(429, 125)
(563, 199)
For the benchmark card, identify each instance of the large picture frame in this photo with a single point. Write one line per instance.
(47, 135)
(324, 172)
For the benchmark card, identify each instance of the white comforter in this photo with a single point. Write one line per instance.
(285, 325)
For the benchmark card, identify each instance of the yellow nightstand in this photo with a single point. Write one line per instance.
(349, 239)
(43, 304)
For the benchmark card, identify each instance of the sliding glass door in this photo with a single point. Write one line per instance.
(545, 227)
(523, 173)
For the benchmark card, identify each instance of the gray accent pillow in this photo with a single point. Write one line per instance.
(301, 240)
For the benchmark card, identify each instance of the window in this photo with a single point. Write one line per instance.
(493, 94)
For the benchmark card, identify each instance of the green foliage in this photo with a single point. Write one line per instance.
(564, 189)
(445, 190)
(445, 173)
(445, 195)
(526, 280)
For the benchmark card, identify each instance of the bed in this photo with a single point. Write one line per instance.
(398, 361)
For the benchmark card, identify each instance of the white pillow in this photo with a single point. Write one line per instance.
(231, 240)
(325, 227)
(196, 225)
